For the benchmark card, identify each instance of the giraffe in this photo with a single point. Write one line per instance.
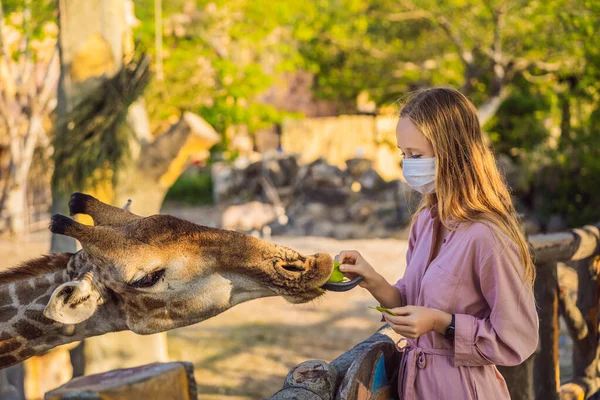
(144, 274)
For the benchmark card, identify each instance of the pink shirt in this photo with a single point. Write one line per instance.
(478, 280)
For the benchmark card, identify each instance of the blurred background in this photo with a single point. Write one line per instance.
(278, 119)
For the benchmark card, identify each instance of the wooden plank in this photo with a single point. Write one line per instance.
(582, 321)
(546, 378)
(575, 244)
(155, 381)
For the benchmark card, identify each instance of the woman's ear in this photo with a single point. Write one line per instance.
(72, 302)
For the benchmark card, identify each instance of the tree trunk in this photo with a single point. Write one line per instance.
(15, 207)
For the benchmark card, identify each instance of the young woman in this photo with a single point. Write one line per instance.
(465, 302)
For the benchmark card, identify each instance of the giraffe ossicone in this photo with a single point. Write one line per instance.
(144, 274)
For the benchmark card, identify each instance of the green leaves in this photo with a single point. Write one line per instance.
(337, 275)
(385, 310)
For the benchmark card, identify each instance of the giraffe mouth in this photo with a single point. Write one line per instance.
(305, 297)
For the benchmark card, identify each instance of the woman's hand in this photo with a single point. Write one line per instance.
(352, 264)
(414, 321)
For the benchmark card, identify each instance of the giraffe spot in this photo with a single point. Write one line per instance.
(153, 304)
(180, 305)
(9, 346)
(26, 353)
(38, 316)
(7, 312)
(52, 339)
(43, 300)
(138, 308)
(28, 331)
(5, 297)
(4, 336)
(27, 296)
(7, 361)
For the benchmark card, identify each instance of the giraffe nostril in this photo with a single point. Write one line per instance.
(293, 268)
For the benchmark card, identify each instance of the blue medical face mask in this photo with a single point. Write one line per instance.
(420, 174)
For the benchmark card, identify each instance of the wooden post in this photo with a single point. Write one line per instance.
(546, 377)
(582, 322)
(519, 379)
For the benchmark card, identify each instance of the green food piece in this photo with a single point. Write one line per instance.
(336, 275)
(385, 310)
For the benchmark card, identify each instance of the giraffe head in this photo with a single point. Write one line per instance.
(164, 272)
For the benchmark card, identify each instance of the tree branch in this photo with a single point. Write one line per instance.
(414, 12)
(465, 54)
(4, 51)
(50, 81)
(488, 109)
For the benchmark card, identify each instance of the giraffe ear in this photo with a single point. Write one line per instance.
(72, 302)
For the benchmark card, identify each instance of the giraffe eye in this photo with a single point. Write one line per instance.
(148, 280)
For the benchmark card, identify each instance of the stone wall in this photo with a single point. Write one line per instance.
(337, 139)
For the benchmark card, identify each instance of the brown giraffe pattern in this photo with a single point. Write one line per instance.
(144, 274)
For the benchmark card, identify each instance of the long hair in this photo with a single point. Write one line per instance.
(468, 185)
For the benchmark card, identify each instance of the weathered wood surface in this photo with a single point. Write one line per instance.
(350, 376)
(581, 318)
(546, 379)
(174, 381)
(575, 244)
(312, 379)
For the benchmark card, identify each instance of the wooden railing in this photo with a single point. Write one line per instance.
(369, 370)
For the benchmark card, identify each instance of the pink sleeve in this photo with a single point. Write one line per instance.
(411, 245)
(510, 334)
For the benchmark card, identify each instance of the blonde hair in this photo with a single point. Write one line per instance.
(468, 186)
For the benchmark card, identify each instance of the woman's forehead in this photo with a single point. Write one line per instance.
(409, 137)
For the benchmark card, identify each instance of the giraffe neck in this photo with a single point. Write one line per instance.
(25, 331)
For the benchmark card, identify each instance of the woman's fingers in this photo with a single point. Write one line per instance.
(404, 330)
(401, 310)
(348, 257)
(401, 320)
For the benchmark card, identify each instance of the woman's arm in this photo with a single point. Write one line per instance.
(393, 296)
(387, 295)
(510, 334)
(353, 264)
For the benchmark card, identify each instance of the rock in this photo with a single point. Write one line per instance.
(362, 210)
(281, 169)
(339, 214)
(358, 166)
(371, 181)
(234, 185)
(323, 229)
(325, 175)
(304, 223)
(349, 231)
(328, 196)
(317, 210)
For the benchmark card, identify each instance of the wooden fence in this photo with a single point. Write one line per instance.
(369, 370)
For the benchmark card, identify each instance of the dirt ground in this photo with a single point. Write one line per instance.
(246, 352)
